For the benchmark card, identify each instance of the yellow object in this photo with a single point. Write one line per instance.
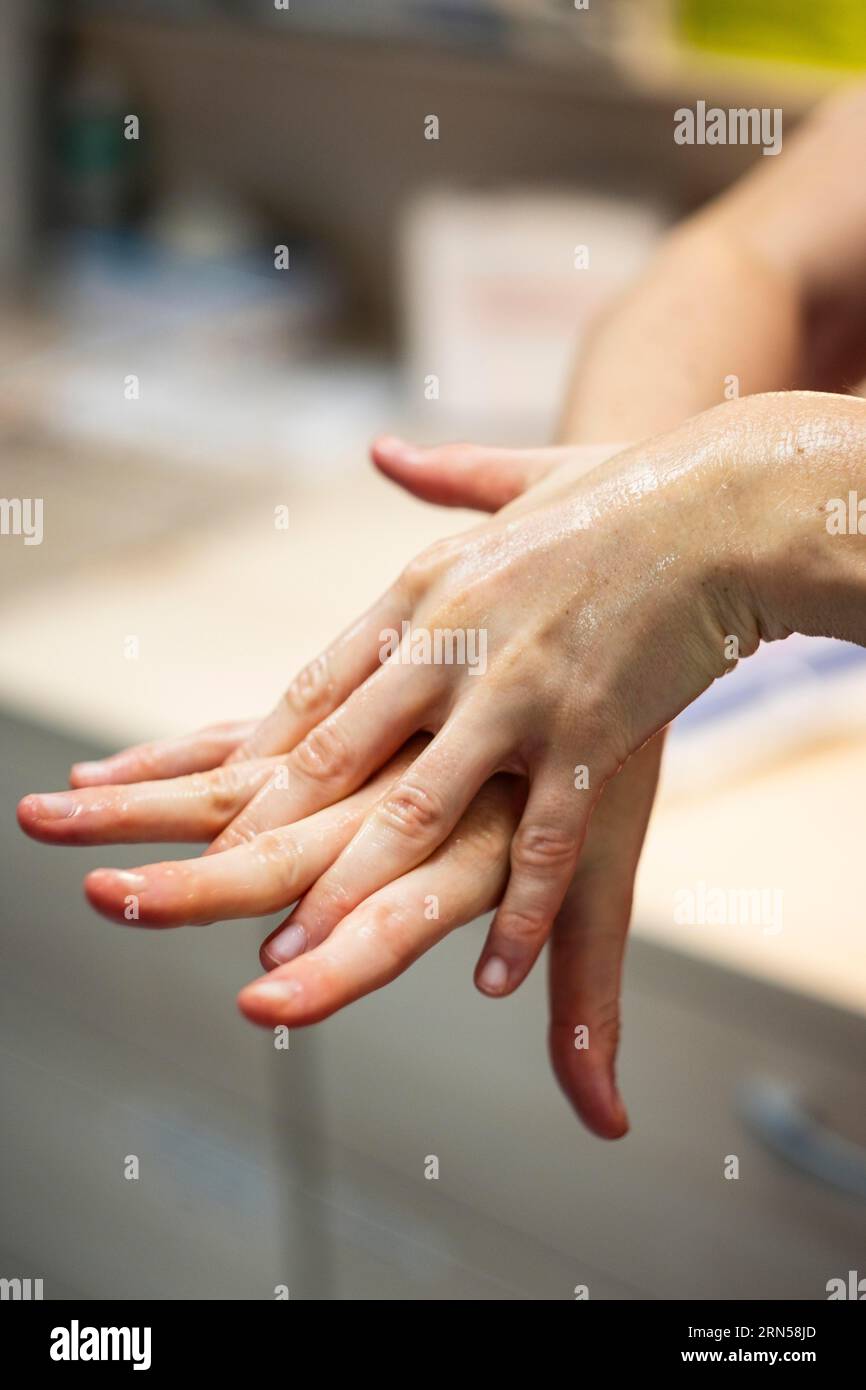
(830, 33)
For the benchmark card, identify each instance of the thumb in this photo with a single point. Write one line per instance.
(465, 475)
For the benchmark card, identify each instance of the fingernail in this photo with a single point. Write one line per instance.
(117, 878)
(494, 975)
(400, 449)
(53, 806)
(287, 944)
(276, 991)
(127, 879)
(390, 444)
(89, 769)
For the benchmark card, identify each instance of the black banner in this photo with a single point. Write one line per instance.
(159, 1338)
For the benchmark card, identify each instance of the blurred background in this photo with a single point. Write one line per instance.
(230, 254)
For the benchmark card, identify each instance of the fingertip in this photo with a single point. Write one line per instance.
(492, 978)
(109, 892)
(99, 889)
(100, 892)
(620, 1119)
(609, 1131)
(27, 813)
(390, 447)
(600, 1108)
(268, 1002)
(47, 815)
(398, 459)
(604, 1110)
(589, 1086)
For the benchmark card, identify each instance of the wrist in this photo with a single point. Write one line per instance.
(716, 487)
(798, 475)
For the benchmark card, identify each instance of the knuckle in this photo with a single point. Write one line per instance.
(149, 763)
(218, 789)
(323, 755)
(541, 847)
(240, 832)
(333, 899)
(412, 810)
(310, 690)
(522, 929)
(420, 572)
(279, 854)
(392, 930)
(414, 579)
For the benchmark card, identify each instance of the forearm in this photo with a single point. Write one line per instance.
(708, 315)
(731, 291)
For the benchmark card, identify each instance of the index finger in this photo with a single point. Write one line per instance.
(325, 684)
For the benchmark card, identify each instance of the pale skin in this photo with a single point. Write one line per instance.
(607, 590)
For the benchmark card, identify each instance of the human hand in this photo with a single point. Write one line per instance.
(599, 599)
(384, 935)
(189, 797)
